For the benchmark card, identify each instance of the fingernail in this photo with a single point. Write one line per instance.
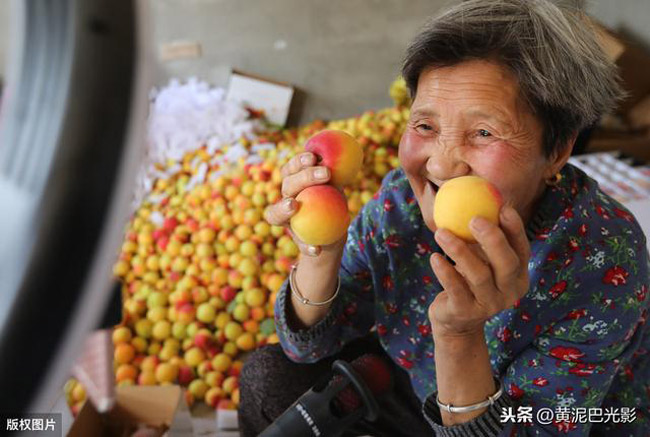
(287, 204)
(305, 159)
(313, 250)
(479, 224)
(443, 235)
(508, 214)
(320, 173)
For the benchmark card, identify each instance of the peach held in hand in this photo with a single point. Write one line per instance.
(340, 152)
(462, 198)
(322, 216)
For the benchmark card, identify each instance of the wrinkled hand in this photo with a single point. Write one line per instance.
(300, 172)
(488, 277)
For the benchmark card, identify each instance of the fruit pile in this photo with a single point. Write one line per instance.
(201, 268)
(75, 395)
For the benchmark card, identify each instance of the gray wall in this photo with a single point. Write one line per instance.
(631, 17)
(342, 53)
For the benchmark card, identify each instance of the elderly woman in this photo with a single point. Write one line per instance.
(539, 329)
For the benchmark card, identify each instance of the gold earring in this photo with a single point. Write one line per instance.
(555, 180)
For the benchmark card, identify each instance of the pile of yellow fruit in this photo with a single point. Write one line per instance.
(201, 268)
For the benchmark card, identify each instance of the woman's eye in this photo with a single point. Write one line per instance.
(423, 126)
(484, 133)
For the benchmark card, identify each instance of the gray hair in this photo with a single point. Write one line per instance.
(563, 73)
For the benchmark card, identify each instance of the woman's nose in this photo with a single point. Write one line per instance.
(446, 161)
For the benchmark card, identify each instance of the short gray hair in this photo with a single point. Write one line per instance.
(563, 73)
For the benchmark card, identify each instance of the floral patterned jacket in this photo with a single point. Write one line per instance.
(576, 344)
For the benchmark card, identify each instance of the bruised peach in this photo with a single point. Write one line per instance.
(322, 217)
(340, 152)
(462, 198)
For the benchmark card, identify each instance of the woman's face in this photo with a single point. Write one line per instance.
(469, 120)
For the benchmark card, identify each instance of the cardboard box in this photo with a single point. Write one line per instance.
(629, 135)
(639, 116)
(634, 145)
(632, 61)
(261, 94)
(160, 407)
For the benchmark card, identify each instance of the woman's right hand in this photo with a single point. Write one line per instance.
(299, 173)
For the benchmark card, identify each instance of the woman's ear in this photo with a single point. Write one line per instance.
(560, 157)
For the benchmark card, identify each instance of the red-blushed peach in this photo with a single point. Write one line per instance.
(147, 377)
(226, 404)
(230, 383)
(185, 375)
(460, 199)
(322, 217)
(213, 396)
(340, 152)
(189, 398)
(235, 397)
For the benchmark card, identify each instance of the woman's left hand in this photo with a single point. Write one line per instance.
(485, 279)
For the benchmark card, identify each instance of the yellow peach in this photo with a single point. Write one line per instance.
(322, 217)
(461, 199)
(126, 371)
(147, 377)
(166, 372)
(124, 353)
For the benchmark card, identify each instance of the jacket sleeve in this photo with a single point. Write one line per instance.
(568, 369)
(564, 375)
(352, 312)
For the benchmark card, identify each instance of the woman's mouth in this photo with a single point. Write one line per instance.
(433, 186)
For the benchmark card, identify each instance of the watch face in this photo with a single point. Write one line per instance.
(72, 86)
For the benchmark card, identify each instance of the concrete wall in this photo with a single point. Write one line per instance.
(342, 53)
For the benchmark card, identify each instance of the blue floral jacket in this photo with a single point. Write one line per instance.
(575, 345)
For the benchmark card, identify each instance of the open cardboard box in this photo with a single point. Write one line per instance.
(630, 144)
(633, 64)
(161, 407)
(633, 136)
(260, 93)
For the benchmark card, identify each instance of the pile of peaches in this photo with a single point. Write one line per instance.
(201, 268)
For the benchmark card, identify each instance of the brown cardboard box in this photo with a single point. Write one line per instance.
(634, 145)
(634, 112)
(639, 115)
(632, 61)
(260, 93)
(161, 407)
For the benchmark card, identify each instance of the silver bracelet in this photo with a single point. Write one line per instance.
(490, 400)
(303, 300)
